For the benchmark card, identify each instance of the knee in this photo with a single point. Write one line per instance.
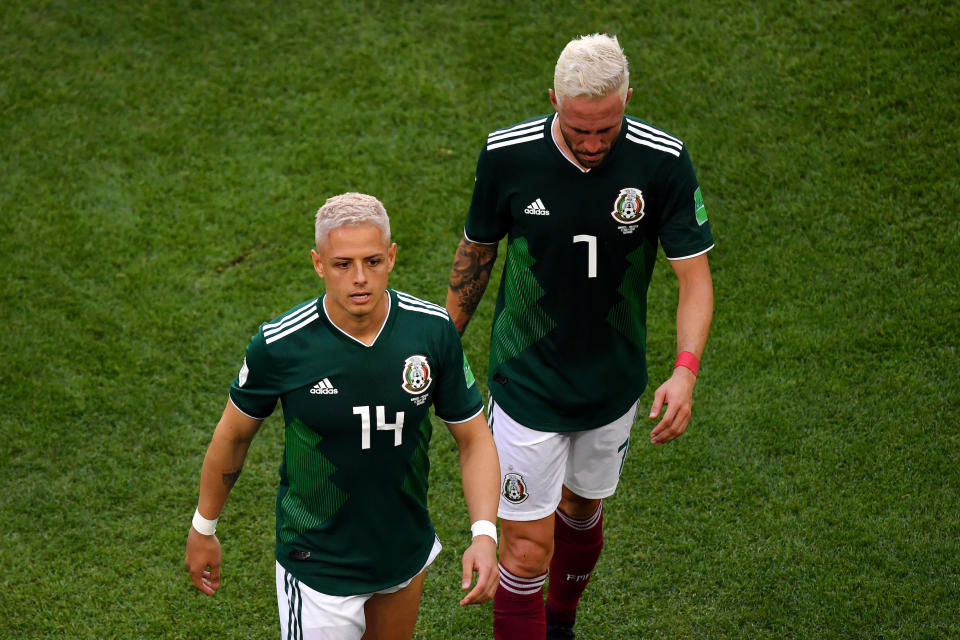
(578, 507)
(525, 555)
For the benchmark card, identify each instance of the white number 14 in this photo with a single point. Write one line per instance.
(382, 425)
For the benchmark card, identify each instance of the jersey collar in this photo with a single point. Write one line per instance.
(386, 319)
(556, 144)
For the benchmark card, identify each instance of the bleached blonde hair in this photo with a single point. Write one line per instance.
(350, 210)
(592, 66)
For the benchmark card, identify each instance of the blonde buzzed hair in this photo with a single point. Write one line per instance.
(592, 66)
(350, 210)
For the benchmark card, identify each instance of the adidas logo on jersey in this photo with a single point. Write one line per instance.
(536, 208)
(324, 388)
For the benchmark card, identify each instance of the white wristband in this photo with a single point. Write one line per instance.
(204, 526)
(484, 528)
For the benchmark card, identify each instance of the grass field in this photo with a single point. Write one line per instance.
(160, 165)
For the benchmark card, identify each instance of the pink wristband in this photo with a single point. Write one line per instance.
(688, 360)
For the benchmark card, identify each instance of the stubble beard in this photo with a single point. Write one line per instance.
(585, 162)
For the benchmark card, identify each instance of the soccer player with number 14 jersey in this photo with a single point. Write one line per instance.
(356, 372)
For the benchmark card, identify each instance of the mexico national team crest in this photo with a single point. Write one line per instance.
(514, 488)
(416, 375)
(628, 207)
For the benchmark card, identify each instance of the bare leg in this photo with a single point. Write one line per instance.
(393, 616)
(577, 507)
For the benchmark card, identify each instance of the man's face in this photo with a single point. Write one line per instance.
(590, 126)
(354, 263)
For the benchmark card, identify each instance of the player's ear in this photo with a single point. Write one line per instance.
(629, 93)
(317, 263)
(553, 99)
(391, 257)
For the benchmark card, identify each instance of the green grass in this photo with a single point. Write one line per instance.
(159, 170)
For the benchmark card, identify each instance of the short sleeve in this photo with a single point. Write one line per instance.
(254, 391)
(456, 398)
(488, 219)
(684, 228)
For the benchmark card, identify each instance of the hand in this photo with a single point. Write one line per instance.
(480, 558)
(677, 394)
(202, 560)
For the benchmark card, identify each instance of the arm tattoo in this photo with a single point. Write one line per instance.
(230, 479)
(470, 274)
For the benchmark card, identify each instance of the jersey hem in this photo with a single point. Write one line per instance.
(252, 417)
(522, 420)
(526, 517)
(366, 589)
(692, 255)
(469, 239)
(479, 411)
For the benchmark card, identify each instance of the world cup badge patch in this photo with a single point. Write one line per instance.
(628, 207)
(416, 375)
(244, 374)
(514, 488)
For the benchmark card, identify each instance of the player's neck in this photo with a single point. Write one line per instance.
(362, 328)
(562, 145)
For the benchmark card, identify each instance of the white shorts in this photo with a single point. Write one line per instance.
(307, 614)
(535, 465)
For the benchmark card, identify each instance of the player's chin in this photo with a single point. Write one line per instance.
(594, 160)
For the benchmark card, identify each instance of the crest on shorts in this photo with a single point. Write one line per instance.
(628, 207)
(514, 488)
(416, 375)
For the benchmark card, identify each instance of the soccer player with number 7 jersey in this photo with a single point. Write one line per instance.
(584, 196)
(356, 372)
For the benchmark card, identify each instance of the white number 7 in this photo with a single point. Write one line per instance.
(591, 253)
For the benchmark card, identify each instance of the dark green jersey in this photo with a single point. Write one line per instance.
(352, 504)
(568, 343)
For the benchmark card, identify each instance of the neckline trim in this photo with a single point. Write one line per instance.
(323, 303)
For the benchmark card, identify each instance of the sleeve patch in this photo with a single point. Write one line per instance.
(701, 211)
(468, 373)
(244, 374)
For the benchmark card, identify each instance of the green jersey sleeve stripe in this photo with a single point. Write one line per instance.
(491, 147)
(273, 338)
(517, 129)
(499, 137)
(653, 145)
(406, 297)
(431, 312)
(637, 126)
(273, 327)
(655, 136)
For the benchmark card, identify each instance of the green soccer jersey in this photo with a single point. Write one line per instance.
(568, 343)
(352, 503)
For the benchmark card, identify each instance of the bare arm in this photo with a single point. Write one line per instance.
(694, 314)
(480, 472)
(221, 469)
(469, 277)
